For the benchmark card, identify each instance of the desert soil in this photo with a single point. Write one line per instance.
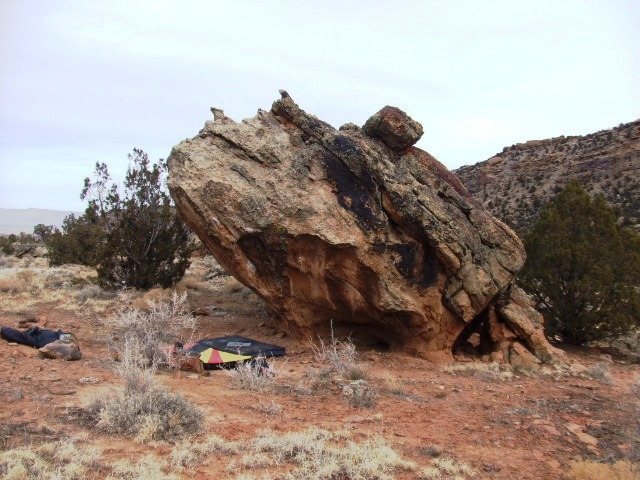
(523, 428)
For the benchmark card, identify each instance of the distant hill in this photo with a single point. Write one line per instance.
(516, 182)
(16, 220)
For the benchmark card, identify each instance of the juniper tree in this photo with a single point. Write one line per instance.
(583, 268)
(133, 235)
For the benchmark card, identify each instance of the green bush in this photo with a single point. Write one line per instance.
(6, 244)
(583, 268)
(133, 236)
(79, 241)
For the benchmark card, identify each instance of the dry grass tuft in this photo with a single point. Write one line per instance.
(321, 380)
(151, 415)
(148, 468)
(189, 282)
(316, 454)
(94, 292)
(445, 468)
(20, 282)
(142, 409)
(256, 375)
(393, 385)
(589, 470)
(8, 261)
(339, 356)
(13, 284)
(58, 460)
(481, 369)
(150, 330)
(355, 372)
(189, 455)
(62, 285)
(142, 301)
(360, 394)
(272, 408)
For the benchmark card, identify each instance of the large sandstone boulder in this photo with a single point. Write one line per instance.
(355, 226)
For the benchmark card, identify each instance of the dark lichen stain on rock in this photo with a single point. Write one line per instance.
(352, 195)
(418, 265)
(268, 252)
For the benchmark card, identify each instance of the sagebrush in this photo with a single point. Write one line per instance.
(142, 409)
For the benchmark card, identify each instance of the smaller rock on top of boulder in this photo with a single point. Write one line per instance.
(394, 127)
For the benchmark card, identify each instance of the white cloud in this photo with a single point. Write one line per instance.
(98, 78)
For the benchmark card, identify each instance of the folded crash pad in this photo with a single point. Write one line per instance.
(238, 345)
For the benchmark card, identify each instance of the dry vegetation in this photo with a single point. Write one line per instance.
(29, 282)
(317, 454)
(69, 460)
(255, 375)
(334, 413)
(589, 470)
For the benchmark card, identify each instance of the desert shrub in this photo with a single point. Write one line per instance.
(141, 408)
(56, 279)
(6, 244)
(42, 232)
(355, 372)
(340, 356)
(321, 380)
(190, 454)
(272, 408)
(20, 282)
(590, 470)
(8, 261)
(50, 461)
(360, 394)
(254, 375)
(133, 235)
(147, 468)
(583, 268)
(152, 329)
(155, 414)
(316, 454)
(13, 284)
(446, 467)
(94, 292)
(147, 244)
(79, 242)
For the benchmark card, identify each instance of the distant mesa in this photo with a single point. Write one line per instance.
(515, 183)
(17, 220)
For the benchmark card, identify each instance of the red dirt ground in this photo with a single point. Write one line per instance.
(523, 428)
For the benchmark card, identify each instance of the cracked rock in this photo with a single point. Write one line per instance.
(354, 226)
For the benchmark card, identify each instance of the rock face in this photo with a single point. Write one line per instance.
(516, 182)
(355, 226)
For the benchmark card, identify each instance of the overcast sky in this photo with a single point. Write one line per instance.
(82, 82)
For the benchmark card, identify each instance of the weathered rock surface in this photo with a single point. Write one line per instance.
(355, 226)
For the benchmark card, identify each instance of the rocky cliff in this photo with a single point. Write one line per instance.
(356, 226)
(516, 182)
